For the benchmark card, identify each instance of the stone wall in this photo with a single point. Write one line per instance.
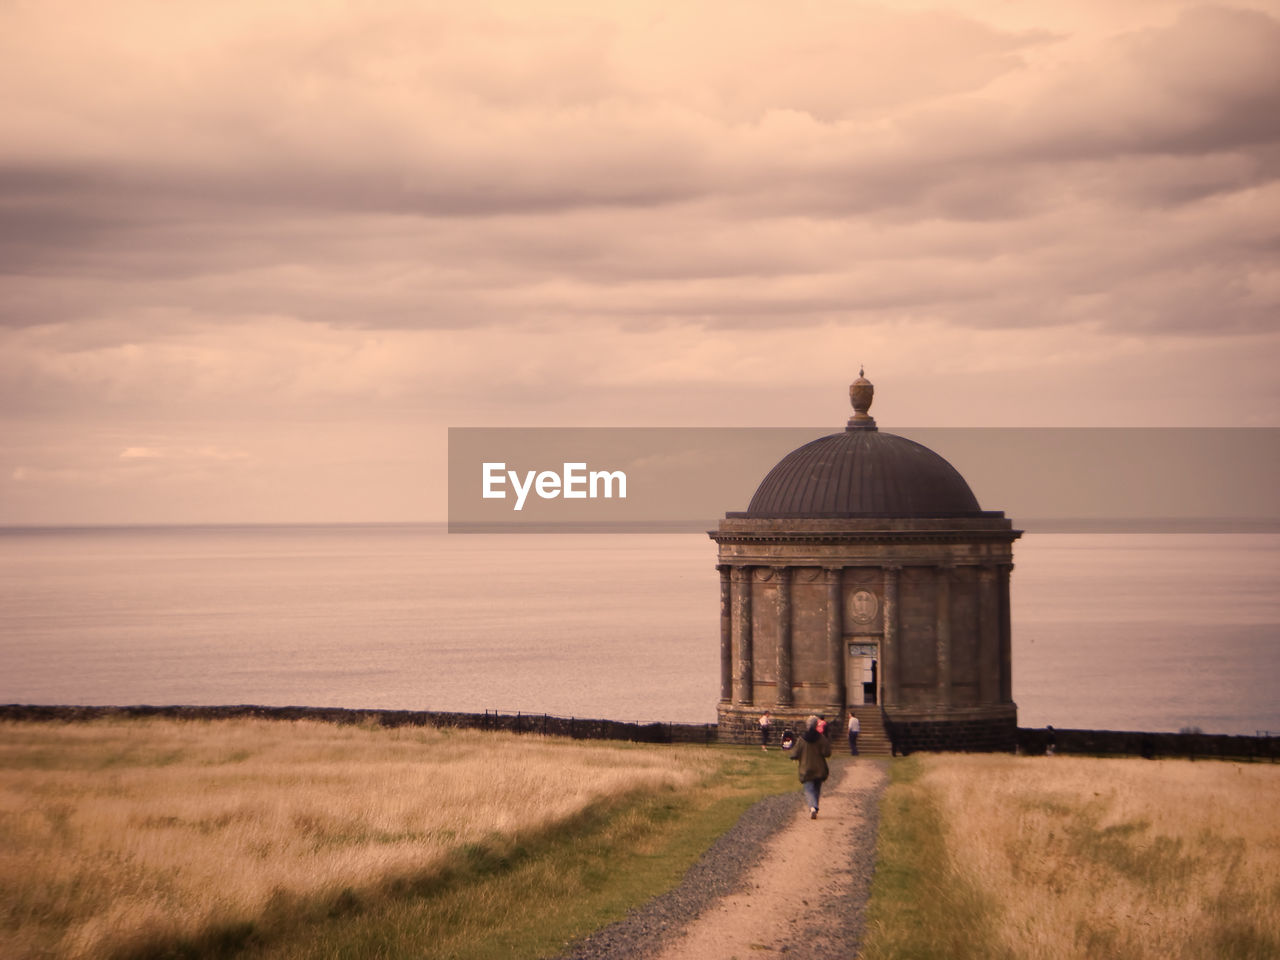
(987, 735)
(977, 735)
(540, 723)
(1121, 743)
(742, 725)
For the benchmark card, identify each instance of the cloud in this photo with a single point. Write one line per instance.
(181, 453)
(1207, 84)
(223, 219)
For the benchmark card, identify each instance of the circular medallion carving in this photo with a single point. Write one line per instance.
(863, 606)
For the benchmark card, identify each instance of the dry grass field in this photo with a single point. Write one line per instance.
(1059, 858)
(288, 841)
(119, 837)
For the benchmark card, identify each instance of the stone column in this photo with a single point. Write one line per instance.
(782, 575)
(988, 635)
(943, 634)
(1006, 651)
(889, 653)
(835, 637)
(745, 692)
(726, 633)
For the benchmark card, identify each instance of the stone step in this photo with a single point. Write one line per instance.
(873, 741)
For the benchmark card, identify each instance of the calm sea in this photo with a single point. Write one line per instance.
(1115, 631)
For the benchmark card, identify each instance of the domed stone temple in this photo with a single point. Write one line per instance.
(864, 575)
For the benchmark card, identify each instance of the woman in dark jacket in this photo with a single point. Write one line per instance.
(812, 750)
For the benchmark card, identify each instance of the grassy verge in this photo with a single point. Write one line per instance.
(167, 839)
(922, 906)
(529, 897)
(1060, 858)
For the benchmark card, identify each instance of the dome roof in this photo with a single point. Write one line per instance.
(863, 473)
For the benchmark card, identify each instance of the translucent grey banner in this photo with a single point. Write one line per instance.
(664, 479)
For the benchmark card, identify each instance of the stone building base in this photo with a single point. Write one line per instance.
(741, 724)
(960, 729)
(992, 729)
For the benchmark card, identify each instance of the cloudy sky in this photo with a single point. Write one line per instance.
(256, 256)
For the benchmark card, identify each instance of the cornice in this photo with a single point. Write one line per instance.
(871, 537)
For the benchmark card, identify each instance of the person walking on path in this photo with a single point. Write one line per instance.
(855, 728)
(812, 750)
(765, 720)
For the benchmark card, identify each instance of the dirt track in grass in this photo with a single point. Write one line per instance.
(778, 883)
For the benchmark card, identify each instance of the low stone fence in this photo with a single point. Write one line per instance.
(583, 729)
(1036, 741)
(1030, 741)
(576, 727)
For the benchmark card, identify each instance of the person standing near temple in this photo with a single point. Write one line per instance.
(811, 749)
(855, 727)
(765, 721)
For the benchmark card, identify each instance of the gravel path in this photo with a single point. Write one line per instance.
(835, 932)
(822, 911)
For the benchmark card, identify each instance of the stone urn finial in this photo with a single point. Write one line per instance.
(860, 393)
